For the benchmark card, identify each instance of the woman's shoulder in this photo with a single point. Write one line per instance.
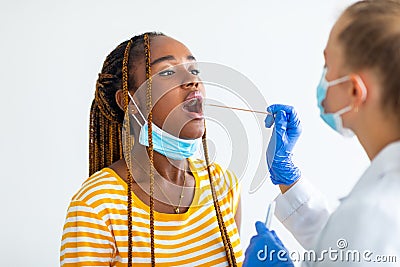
(102, 184)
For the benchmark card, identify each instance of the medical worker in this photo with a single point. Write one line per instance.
(359, 93)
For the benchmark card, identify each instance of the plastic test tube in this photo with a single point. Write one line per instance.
(270, 214)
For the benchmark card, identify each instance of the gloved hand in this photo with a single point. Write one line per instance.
(260, 251)
(284, 136)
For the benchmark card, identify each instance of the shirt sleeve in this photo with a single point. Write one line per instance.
(303, 211)
(86, 239)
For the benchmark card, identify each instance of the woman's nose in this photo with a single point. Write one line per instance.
(191, 85)
(190, 81)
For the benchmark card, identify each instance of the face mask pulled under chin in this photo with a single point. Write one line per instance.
(165, 143)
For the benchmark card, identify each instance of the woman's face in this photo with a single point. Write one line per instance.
(177, 93)
(337, 96)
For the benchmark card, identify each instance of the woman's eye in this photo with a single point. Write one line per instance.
(167, 73)
(195, 72)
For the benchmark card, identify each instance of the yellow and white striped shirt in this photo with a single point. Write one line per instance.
(96, 231)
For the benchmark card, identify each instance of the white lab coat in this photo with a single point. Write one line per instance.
(368, 219)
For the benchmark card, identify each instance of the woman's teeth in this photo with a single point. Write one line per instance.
(193, 105)
(192, 102)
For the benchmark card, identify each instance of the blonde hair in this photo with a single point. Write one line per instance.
(371, 40)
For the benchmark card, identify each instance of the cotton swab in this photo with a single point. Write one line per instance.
(242, 109)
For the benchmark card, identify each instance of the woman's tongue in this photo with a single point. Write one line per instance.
(193, 105)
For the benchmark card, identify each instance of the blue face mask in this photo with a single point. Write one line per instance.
(165, 143)
(334, 120)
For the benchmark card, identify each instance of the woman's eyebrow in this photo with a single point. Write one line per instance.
(170, 58)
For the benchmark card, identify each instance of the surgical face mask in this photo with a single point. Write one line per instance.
(334, 120)
(164, 143)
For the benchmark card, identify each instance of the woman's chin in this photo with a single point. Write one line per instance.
(193, 129)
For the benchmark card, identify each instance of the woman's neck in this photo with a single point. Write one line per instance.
(166, 168)
(377, 135)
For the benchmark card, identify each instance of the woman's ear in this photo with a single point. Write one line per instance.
(359, 90)
(119, 98)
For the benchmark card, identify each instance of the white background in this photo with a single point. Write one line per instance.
(52, 51)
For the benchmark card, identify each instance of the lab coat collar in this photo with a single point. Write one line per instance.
(388, 159)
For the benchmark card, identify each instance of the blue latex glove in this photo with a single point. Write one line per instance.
(260, 251)
(284, 136)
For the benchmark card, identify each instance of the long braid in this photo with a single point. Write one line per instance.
(150, 137)
(125, 91)
(230, 255)
(106, 136)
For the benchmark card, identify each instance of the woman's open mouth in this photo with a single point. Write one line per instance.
(193, 105)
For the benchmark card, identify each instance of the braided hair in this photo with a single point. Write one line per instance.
(106, 118)
(107, 135)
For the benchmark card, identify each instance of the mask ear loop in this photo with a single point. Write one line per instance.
(141, 114)
(338, 81)
(360, 85)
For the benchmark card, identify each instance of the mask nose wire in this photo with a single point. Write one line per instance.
(141, 114)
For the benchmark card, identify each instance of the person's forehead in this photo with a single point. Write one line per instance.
(164, 45)
(333, 46)
(337, 29)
